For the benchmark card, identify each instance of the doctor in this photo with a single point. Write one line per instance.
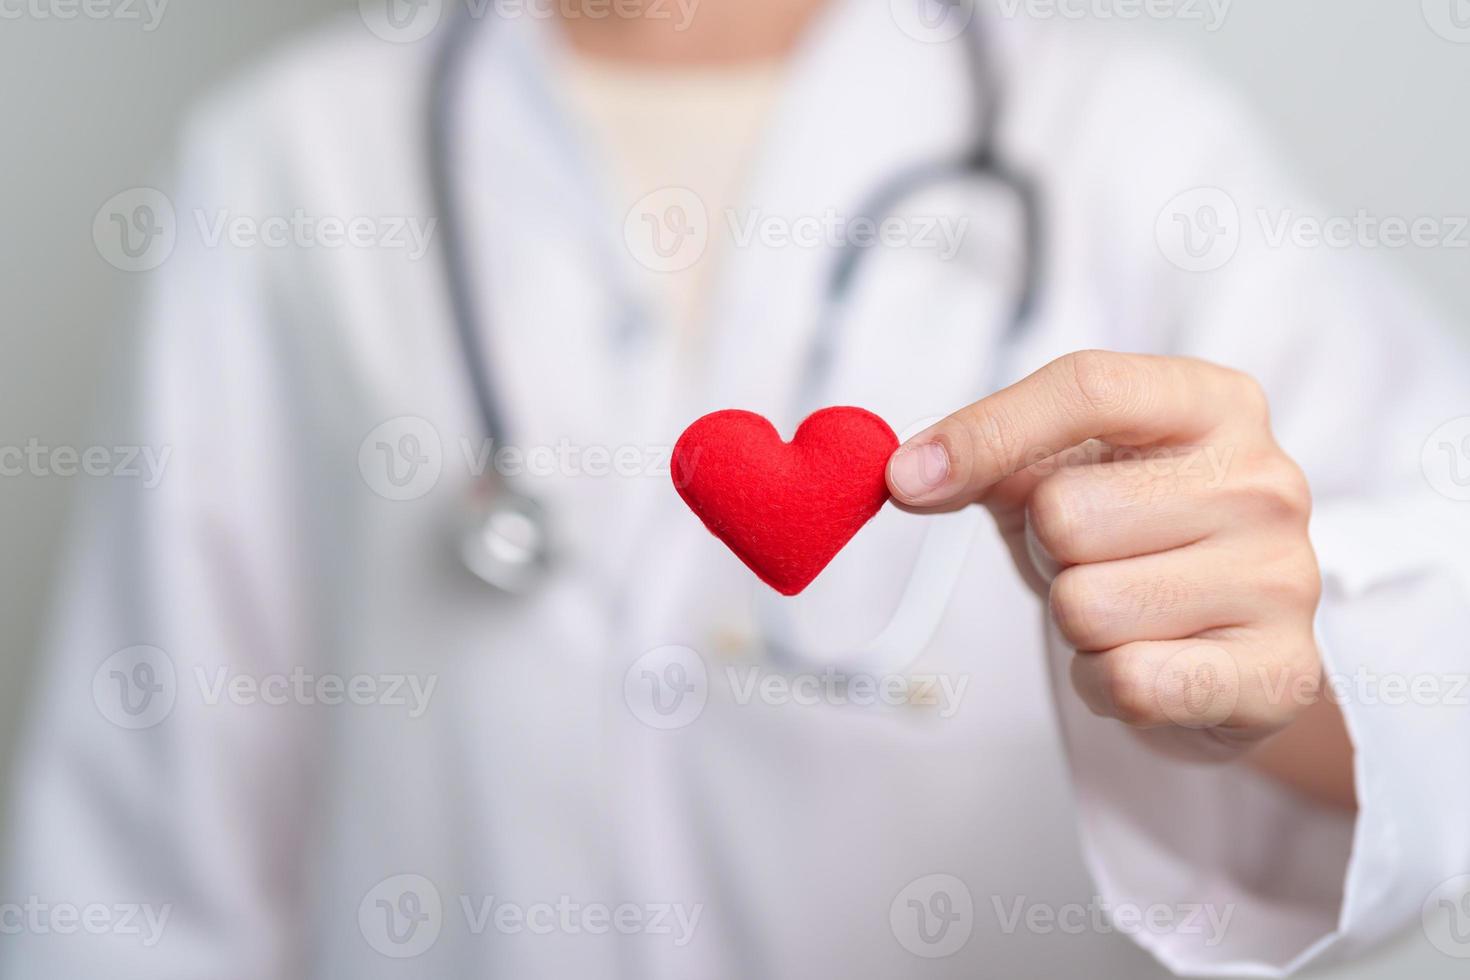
(283, 733)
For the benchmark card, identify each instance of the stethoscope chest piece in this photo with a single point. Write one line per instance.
(504, 537)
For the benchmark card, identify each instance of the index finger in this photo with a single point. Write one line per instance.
(1121, 399)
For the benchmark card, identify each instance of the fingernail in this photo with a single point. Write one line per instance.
(916, 471)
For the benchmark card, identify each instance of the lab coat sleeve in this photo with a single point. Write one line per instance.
(158, 818)
(1244, 877)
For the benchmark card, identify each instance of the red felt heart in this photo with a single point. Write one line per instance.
(784, 508)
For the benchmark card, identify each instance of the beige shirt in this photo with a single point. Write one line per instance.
(665, 128)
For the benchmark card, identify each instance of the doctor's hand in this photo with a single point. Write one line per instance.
(1147, 500)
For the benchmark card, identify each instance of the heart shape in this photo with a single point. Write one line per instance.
(784, 508)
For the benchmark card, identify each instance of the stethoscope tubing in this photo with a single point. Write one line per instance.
(474, 333)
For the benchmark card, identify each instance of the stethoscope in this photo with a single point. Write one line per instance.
(504, 535)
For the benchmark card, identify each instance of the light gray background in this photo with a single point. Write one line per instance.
(1366, 100)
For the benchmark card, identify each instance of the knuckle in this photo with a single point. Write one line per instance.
(994, 439)
(1298, 580)
(1294, 490)
(1132, 689)
(1105, 382)
(1074, 605)
(1250, 397)
(1278, 489)
(1300, 671)
(1306, 662)
(1053, 515)
(1140, 481)
(1158, 598)
(1199, 687)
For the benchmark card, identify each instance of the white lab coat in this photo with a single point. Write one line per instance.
(796, 831)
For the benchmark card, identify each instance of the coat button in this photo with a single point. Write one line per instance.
(731, 641)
